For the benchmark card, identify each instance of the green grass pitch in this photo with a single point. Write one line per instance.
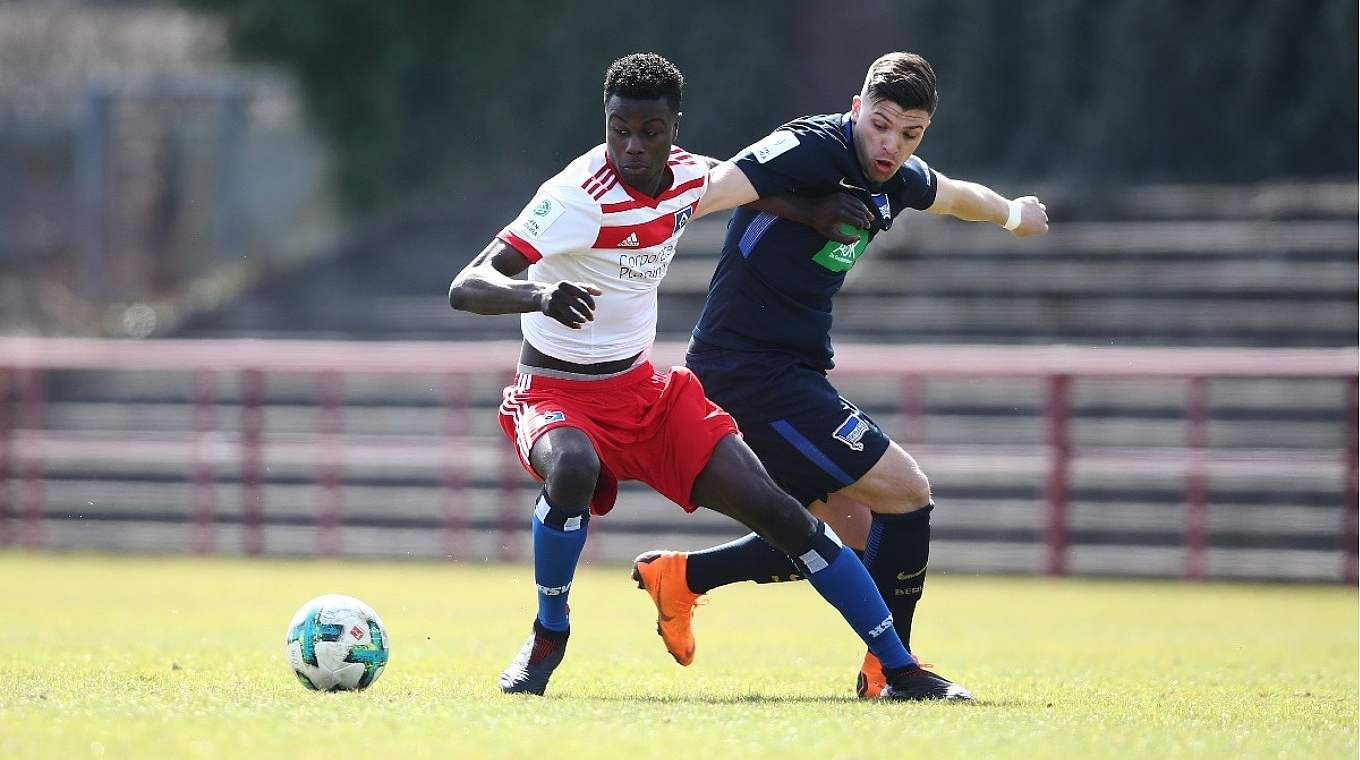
(182, 657)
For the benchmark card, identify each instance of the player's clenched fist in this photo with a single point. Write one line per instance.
(1033, 217)
(571, 303)
(831, 213)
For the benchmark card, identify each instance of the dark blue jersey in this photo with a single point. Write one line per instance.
(774, 282)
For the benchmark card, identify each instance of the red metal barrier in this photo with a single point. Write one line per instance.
(480, 358)
(25, 362)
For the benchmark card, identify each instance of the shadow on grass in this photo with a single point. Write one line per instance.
(761, 699)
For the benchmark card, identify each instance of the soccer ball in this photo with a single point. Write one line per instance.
(336, 643)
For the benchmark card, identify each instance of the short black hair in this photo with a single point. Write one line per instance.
(644, 76)
(906, 79)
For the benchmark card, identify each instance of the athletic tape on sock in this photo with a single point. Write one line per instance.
(562, 519)
(826, 545)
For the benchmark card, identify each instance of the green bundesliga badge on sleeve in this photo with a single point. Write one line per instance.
(839, 257)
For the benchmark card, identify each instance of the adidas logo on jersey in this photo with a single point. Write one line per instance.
(629, 242)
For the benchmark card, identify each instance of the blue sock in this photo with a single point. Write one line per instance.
(559, 535)
(840, 577)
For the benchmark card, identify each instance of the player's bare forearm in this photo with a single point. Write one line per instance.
(973, 202)
(825, 214)
(786, 206)
(969, 201)
(486, 284)
(478, 294)
(728, 188)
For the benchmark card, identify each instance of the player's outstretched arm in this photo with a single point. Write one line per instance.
(972, 202)
(487, 286)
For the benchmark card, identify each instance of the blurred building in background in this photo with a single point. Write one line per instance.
(145, 174)
(317, 170)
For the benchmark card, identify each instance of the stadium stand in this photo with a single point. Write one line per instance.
(1263, 267)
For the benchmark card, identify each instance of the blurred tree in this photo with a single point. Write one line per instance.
(414, 93)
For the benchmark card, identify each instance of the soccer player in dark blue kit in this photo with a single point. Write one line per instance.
(762, 349)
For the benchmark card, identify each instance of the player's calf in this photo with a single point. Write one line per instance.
(569, 465)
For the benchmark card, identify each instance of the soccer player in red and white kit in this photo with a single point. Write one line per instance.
(588, 410)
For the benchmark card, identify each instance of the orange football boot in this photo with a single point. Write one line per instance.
(662, 576)
(870, 681)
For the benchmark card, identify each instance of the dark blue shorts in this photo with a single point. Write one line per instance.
(812, 441)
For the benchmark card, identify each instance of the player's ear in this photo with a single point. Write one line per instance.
(675, 126)
(855, 103)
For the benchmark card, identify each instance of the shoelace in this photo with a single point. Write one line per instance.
(699, 601)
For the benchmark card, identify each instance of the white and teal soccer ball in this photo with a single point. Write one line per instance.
(336, 643)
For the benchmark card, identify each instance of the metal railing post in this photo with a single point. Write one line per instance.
(1060, 454)
(252, 461)
(32, 418)
(1350, 532)
(329, 387)
(913, 391)
(232, 123)
(514, 516)
(455, 479)
(91, 206)
(1196, 481)
(204, 535)
(6, 458)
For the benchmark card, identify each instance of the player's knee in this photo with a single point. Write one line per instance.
(915, 491)
(783, 522)
(908, 491)
(569, 472)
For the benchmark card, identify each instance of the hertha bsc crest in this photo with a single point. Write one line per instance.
(851, 432)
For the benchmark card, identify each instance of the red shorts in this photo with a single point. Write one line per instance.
(655, 427)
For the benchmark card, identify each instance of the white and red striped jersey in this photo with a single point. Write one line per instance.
(586, 225)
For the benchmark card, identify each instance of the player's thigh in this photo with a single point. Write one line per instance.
(849, 518)
(734, 483)
(894, 485)
(817, 448)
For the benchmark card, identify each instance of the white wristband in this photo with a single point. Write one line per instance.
(1013, 215)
